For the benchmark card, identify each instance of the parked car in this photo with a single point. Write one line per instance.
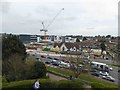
(55, 64)
(96, 74)
(110, 78)
(47, 62)
(49, 58)
(80, 65)
(43, 56)
(56, 59)
(104, 73)
(119, 71)
(110, 68)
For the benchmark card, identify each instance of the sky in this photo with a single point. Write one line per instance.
(79, 17)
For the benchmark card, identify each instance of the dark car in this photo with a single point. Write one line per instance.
(49, 58)
(56, 59)
(55, 64)
(119, 71)
(43, 56)
(47, 62)
(96, 74)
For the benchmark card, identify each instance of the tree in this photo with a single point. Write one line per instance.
(77, 40)
(39, 70)
(12, 45)
(84, 38)
(108, 36)
(75, 65)
(103, 47)
(13, 55)
(13, 68)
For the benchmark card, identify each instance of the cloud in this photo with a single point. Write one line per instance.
(25, 16)
(5, 6)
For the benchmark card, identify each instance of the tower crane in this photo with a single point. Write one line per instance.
(45, 28)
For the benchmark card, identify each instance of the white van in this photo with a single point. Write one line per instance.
(100, 66)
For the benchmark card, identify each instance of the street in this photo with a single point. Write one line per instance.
(113, 73)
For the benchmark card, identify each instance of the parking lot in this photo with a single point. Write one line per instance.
(57, 61)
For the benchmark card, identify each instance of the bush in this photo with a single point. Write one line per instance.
(14, 68)
(38, 70)
(44, 84)
(70, 84)
(21, 85)
(46, 49)
(18, 70)
(48, 84)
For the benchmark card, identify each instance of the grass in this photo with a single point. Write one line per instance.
(95, 82)
(60, 71)
(46, 83)
(117, 65)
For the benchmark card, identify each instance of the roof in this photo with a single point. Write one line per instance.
(57, 44)
(71, 45)
(87, 43)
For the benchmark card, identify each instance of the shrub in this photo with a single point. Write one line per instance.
(70, 84)
(14, 68)
(44, 84)
(38, 70)
(46, 49)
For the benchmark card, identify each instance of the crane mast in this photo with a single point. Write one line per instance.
(45, 29)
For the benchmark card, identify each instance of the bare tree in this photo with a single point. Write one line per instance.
(78, 65)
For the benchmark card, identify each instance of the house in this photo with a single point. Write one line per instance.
(84, 46)
(67, 46)
(56, 47)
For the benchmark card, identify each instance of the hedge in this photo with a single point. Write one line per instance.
(45, 83)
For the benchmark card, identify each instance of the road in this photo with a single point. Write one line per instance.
(114, 73)
(109, 62)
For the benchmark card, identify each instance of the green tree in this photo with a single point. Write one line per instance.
(108, 36)
(84, 38)
(77, 40)
(39, 70)
(12, 45)
(13, 55)
(103, 47)
(13, 68)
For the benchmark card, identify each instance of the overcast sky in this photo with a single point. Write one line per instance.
(79, 17)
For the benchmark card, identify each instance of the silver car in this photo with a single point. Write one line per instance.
(110, 78)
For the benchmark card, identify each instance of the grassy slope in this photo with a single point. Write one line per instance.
(46, 83)
(97, 83)
(60, 71)
(116, 65)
